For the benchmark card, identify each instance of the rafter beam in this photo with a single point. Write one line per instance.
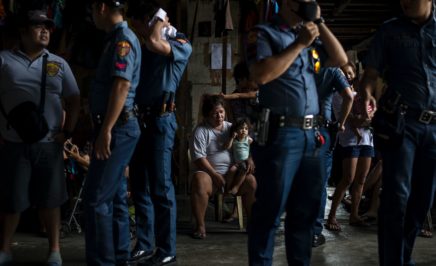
(342, 5)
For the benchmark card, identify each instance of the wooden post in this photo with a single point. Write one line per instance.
(184, 112)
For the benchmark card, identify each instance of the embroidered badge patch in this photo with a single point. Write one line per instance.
(123, 48)
(52, 68)
(121, 65)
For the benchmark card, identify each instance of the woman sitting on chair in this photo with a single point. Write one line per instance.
(211, 162)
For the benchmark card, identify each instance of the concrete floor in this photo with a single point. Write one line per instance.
(226, 245)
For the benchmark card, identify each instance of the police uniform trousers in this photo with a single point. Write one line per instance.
(408, 186)
(152, 185)
(107, 232)
(290, 174)
(328, 162)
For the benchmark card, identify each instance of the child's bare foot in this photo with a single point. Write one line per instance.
(332, 225)
(199, 233)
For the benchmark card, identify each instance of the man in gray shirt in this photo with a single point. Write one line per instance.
(33, 174)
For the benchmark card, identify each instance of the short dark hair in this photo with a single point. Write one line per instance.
(139, 9)
(240, 72)
(239, 123)
(113, 4)
(209, 103)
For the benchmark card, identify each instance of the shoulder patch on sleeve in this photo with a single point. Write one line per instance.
(121, 65)
(123, 48)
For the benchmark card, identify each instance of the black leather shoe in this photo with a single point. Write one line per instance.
(318, 240)
(142, 255)
(157, 260)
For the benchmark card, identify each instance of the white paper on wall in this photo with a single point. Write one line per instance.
(217, 56)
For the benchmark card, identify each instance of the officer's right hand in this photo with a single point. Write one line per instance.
(308, 33)
(102, 145)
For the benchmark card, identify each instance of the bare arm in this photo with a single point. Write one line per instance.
(117, 98)
(154, 41)
(74, 153)
(367, 88)
(347, 104)
(72, 109)
(335, 51)
(274, 66)
(229, 143)
(240, 95)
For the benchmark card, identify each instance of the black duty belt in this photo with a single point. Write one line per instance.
(306, 122)
(423, 116)
(125, 115)
(154, 111)
(322, 122)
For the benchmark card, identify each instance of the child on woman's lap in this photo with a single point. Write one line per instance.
(239, 142)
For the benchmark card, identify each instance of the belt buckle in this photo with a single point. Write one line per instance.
(426, 116)
(308, 122)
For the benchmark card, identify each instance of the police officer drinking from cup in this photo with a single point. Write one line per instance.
(284, 56)
(165, 57)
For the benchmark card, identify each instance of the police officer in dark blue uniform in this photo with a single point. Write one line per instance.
(117, 132)
(404, 49)
(289, 167)
(330, 80)
(165, 57)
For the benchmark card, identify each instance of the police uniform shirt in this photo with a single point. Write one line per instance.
(294, 92)
(161, 73)
(408, 54)
(328, 81)
(121, 58)
(20, 81)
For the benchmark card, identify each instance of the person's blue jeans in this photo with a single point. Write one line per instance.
(121, 223)
(328, 159)
(152, 186)
(290, 173)
(107, 232)
(408, 187)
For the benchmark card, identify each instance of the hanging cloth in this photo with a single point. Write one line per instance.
(223, 17)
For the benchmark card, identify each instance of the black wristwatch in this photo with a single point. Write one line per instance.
(319, 20)
(67, 134)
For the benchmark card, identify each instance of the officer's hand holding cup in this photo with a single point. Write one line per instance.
(167, 30)
(308, 33)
